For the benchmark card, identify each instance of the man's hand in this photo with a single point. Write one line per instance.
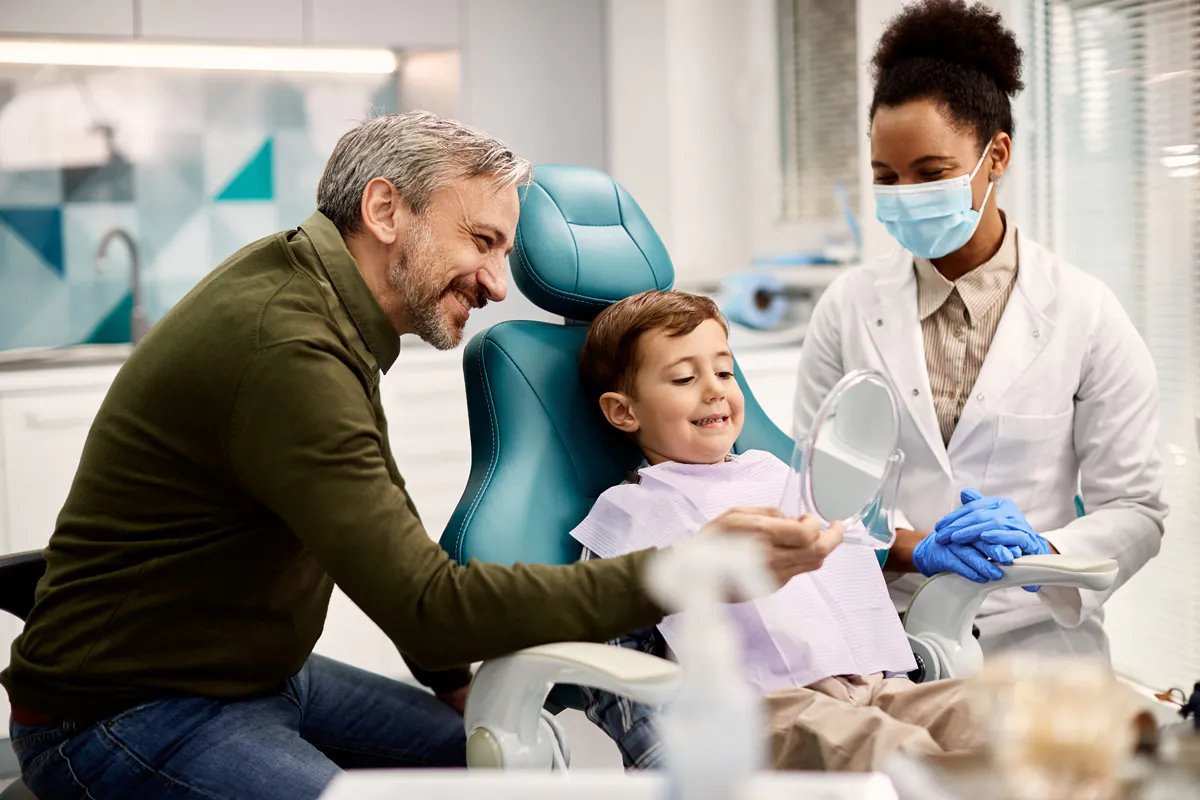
(457, 699)
(792, 545)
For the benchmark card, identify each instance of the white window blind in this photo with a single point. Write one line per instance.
(1116, 152)
(819, 114)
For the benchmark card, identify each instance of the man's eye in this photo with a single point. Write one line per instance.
(683, 381)
(484, 242)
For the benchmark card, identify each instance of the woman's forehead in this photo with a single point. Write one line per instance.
(905, 133)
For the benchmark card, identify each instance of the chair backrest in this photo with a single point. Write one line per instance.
(19, 576)
(541, 453)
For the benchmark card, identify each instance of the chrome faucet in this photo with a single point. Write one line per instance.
(137, 320)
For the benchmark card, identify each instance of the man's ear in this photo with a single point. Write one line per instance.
(385, 215)
(618, 410)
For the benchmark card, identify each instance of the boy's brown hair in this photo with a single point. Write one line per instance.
(608, 362)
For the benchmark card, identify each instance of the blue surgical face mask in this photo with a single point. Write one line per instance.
(931, 220)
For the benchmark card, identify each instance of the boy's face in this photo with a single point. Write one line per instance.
(686, 405)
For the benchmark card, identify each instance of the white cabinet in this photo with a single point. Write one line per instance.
(43, 435)
(386, 23)
(259, 22)
(41, 439)
(67, 17)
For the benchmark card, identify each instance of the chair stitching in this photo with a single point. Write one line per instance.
(493, 459)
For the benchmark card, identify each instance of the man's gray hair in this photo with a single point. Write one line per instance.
(419, 153)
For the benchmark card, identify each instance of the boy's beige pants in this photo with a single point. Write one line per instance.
(853, 723)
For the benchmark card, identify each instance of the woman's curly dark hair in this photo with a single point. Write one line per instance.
(963, 57)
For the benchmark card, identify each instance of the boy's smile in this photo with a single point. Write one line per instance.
(686, 406)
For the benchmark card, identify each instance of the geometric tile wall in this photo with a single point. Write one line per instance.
(194, 165)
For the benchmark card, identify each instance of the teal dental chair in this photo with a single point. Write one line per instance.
(542, 453)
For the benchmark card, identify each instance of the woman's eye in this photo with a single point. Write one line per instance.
(885, 180)
(682, 381)
(933, 173)
(725, 376)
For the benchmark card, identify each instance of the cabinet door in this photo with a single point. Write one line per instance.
(263, 21)
(68, 17)
(43, 436)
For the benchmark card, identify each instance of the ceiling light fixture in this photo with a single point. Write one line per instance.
(157, 55)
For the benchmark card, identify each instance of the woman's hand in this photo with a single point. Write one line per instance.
(993, 526)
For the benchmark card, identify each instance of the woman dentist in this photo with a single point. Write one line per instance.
(1024, 382)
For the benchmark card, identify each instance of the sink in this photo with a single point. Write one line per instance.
(82, 355)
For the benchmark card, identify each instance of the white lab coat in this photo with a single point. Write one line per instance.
(1067, 401)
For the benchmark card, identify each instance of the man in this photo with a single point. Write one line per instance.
(240, 467)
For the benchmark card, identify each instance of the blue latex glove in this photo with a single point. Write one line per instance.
(975, 561)
(991, 521)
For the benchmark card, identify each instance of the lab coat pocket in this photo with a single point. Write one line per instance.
(1028, 453)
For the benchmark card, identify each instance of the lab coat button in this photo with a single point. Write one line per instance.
(879, 323)
(915, 392)
(1036, 333)
(979, 397)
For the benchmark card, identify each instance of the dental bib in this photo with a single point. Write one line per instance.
(838, 620)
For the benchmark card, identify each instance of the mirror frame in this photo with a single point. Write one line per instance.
(889, 481)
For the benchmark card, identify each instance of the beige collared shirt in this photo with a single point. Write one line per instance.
(958, 321)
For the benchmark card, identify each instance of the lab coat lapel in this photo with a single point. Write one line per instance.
(895, 328)
(1023, 332)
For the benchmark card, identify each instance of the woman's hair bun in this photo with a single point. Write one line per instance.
(950, 31)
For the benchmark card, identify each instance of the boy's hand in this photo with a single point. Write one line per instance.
(792, 545)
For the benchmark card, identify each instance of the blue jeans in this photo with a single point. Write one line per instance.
(286, 746)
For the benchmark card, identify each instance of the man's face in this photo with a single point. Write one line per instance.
(453, 258)
(686, 406)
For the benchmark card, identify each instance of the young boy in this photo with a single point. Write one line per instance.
(824, 649)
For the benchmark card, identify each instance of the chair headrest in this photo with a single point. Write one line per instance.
(583, 243)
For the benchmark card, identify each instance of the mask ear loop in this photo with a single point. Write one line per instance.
(987, 194)
(991, 178)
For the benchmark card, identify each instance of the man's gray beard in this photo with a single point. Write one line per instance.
(415, 276)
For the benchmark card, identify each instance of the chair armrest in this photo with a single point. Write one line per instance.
(939, 616)
(504, 711)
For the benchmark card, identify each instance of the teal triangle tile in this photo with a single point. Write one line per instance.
(32, 298)
(41, 229)
(255, 181)
(115, 328)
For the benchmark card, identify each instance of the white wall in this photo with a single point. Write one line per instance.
(677, 89)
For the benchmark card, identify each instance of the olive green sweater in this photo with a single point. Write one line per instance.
(239, 468)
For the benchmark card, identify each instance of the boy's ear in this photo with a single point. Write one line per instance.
(619, 412)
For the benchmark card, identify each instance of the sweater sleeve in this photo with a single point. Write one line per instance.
(304, 442)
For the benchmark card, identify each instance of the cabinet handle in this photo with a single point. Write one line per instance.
(51, 423)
